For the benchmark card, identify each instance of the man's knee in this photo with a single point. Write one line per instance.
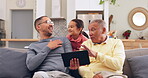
(40, 74)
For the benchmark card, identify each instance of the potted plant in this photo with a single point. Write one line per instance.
(126, 34)
(111, 1)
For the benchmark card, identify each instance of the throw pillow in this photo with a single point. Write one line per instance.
(139, 66)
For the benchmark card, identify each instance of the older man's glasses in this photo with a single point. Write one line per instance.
(47, 22)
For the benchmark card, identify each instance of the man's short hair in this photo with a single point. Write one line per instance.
(100, 22)
(37, 20)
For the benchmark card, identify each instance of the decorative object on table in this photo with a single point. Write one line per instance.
(112, 34)
(141, 37)
(126, 34)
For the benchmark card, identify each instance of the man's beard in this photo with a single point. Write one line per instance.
(48, 34)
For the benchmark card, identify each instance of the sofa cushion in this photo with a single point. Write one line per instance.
(129, 54)
(139, 66)
(12, 63)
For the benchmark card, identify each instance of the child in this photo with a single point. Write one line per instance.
(75, 35)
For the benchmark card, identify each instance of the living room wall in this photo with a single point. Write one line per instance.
(120, 13)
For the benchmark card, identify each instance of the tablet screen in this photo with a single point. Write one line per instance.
(81, 55)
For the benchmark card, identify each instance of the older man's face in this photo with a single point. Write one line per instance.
(95, 32)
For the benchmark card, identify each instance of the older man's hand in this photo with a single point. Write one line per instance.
(98, 75)
(91, 53)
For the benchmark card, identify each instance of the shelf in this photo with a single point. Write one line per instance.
(134, 43)
(19, 40)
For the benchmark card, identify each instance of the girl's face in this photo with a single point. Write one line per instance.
(73, 29)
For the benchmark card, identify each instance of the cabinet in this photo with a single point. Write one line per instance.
(93, 5)
(88, 5)
(63, 9)
(2, 32)
(2, 9)
(132, 44)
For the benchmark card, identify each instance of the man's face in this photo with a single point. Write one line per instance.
(95, 32)
(45, 26)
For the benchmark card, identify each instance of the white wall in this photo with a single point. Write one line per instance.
(120, 13)
(71, 10)
(40, 8)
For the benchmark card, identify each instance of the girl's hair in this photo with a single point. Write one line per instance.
(79, 23)
(85, 34)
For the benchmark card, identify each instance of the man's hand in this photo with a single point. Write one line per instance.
(54, 44)
(91, 53)
(74, 64)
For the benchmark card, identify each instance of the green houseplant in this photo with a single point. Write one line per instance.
(113, 2)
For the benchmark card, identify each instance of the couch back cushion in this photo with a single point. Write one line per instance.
(129, 54)
(13, 63)
(139, 66)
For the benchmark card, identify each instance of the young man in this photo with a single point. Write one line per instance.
(106, 54)
(44, 56)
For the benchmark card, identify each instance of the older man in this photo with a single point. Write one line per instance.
(106, 54)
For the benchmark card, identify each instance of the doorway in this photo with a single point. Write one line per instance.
(22, 24)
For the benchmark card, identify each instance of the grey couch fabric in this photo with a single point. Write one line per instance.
(12, 63)
(130, 54)
(139, 66)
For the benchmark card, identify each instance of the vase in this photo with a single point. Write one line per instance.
(126, 37)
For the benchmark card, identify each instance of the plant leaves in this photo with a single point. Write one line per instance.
(113, 2)
(101, 2)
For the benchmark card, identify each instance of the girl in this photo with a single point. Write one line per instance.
(75, 35)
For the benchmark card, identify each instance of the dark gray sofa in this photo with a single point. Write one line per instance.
(136, 63)
(12, 62)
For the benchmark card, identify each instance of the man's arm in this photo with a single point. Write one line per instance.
(115, 61)
(67, 45)
(34, 59)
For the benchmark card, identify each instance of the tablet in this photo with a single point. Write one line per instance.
(81, 55)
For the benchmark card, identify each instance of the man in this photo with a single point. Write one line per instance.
(106, 54)
(44, 56)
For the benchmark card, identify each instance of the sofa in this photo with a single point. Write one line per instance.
(136, 63)
(12, 63)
